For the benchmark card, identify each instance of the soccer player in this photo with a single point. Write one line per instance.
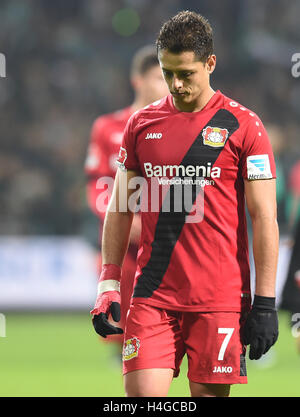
(106, 136)
(192, 285)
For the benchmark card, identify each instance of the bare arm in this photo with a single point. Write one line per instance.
(118, 220)
(261, 203)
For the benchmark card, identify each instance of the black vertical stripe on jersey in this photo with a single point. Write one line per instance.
(170, 224)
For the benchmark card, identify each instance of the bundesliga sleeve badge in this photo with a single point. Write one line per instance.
(122, 158)
(258, 167)
(214, 136)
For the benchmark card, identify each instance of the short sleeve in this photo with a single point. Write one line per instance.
(257, 158)
(127, 158)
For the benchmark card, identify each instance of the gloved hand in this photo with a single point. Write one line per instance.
(108, 301)
(261, 327)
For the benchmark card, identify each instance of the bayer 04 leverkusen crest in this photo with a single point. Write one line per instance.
(214, 136)
(131, 348)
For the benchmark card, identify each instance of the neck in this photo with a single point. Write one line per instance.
(197, 104)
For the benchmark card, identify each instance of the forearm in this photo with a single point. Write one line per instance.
(115, 237)
(118, 220)
(265, 252)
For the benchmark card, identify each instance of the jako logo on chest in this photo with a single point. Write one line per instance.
(153, 136)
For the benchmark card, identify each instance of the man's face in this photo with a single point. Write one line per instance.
(186, 77)
(151, 85)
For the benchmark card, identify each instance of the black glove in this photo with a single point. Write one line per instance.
(261, 327)
(102, 325)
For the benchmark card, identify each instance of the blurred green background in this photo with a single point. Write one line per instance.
(59, 354)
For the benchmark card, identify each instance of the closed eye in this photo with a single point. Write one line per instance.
(167, 74)
(186, 74)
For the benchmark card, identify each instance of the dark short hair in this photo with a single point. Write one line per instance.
(187, 31)
(144, 59)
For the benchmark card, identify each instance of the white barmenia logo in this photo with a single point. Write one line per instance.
(153, 136)
(206, 171)
(258, 167)
(222, 369)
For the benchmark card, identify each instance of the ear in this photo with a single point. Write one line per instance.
(211, 63)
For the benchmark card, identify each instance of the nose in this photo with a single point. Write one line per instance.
(177, 83)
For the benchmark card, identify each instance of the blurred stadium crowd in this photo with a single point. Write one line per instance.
(68, 62)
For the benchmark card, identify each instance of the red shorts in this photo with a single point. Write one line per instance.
(157, 338)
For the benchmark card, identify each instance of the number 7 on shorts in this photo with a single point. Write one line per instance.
(228, 331)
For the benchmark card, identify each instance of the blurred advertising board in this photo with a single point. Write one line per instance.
(47, 273)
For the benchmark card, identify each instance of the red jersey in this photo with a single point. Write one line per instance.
(202, 265)
(106, 137)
